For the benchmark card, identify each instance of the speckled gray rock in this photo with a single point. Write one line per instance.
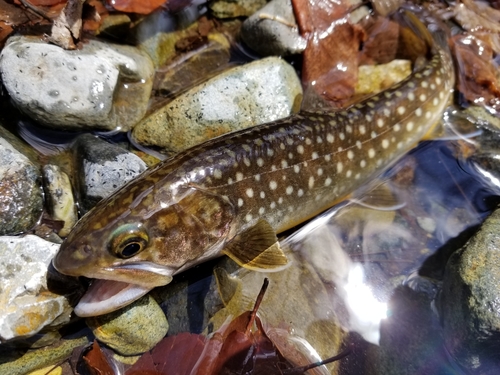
(132, 330)
(255, 93)
(59, 196)
(470, 301)
(103, 167)
(77, 89)
(26, 304)
(273, 30)
(21, 195)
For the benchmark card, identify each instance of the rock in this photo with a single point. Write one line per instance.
(469, 304)
(376, 78)
(21, 196)
(90, 88)
(194, 67)
(132, 330)
(104, 167)
(59, 195)
(235, 8)
(273, 30)
(14, 363)
(26, 304)
(255, 93)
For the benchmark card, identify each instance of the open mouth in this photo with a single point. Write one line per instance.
(105, 296)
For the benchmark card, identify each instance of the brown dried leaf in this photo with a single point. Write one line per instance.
(96, 361)
(67, 26)
(477, 79)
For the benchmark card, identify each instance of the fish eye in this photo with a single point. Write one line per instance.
(128, 241)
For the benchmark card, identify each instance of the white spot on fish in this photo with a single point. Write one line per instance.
(380, 122)
(362, 163)
(273, 185)
(401, 110)
(362, 129)
(270, 152)
(300, 149)
(260, 162)
(418, 112)
(341, 136)
(249, 193)
(240, 202)
(411, 96)
(284, 164)
(385, 143)
(311, 182)
(340, 166)
(330, 138)
(371, 153)
(328, 181)
(350, 154)
(248, 218)
(348, 173)
(262, 210)
(262, 194)
(239, 176)
(314, 155)
(217, 173)
(409, 126)
(319, 171)
(300, 193)
(422, 97)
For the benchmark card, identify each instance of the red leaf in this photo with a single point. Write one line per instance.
(136, 6)
(97, 362)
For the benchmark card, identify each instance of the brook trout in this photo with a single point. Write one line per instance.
(232, 194)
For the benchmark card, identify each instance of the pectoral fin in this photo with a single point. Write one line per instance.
(257, 248)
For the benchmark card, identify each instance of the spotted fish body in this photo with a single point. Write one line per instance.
(195, 205)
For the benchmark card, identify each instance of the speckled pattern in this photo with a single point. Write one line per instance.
(284, 172)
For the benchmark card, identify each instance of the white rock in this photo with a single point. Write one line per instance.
(255, 93)
(26, 305)
(80, 88)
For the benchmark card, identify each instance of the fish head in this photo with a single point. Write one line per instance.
(138, 238)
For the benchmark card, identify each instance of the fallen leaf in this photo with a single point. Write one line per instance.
(136, 6)
(477, 79)
(97, 362)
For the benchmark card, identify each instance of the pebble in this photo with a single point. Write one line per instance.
(132, 330)
(235, 8)
(78, 89)
(469, 304)
(258, 92)
(26, 303)
(273, 30)
(21, 197)
(59, 196)
(104, 167)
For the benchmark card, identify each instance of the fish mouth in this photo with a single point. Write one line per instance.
(105, 296)
(120, 285)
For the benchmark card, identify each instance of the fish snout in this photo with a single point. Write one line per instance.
(69, 259)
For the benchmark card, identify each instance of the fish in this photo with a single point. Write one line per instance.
(233, 194)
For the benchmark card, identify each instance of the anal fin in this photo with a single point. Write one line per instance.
(257, 248)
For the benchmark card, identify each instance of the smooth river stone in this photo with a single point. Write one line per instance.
(252, 94)
(100, 86)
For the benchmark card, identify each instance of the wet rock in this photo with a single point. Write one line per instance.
(252, 94)
(14, 363)
(273, 30)
(232, 8)
(90, 88)
(469, 306)
(59, 196)
(376, 78)
(104, 168)
(21, 196)
(410, 338)
(26, 304)
(158, 34)
(193, 67)
(132, 330)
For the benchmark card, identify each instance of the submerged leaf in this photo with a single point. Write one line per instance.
(97, 362)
